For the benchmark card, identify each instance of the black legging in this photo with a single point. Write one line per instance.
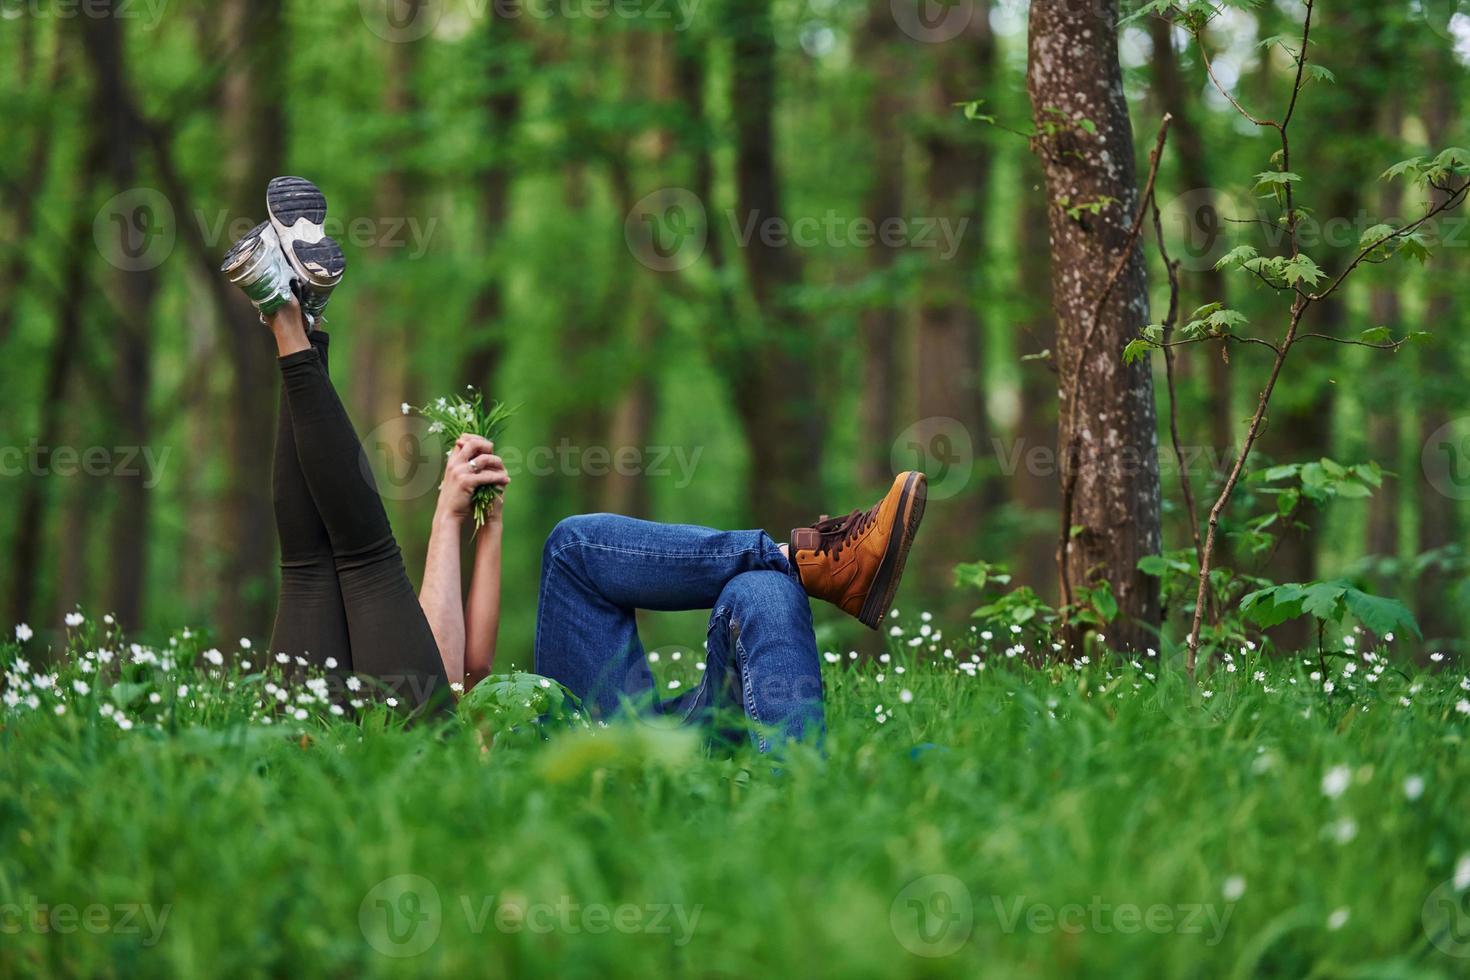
(344, 592)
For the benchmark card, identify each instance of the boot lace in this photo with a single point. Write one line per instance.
(835, 533)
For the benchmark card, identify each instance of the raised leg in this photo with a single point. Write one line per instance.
(390, 637)
(311, 621)
(598, 569)
(762, 660)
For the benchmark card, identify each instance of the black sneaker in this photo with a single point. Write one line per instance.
(297, 209)
(256, 264)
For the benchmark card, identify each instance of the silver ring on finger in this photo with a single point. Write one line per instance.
(475, 465)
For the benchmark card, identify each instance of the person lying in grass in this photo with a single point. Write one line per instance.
(346, 598)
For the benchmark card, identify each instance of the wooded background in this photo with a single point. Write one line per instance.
(758, 241)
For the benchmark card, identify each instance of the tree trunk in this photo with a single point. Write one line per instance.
(122, 136)
(1033, 481)
(882, 323)
(774, 375)
(950, 369)
(1106, 408)
(1207, 230)
(502, 113)
(1384, 414)
(252, 116)
(25, 563)
(1440, 388)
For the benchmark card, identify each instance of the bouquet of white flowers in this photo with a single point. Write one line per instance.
(462, 414)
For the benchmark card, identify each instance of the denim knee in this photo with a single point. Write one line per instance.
(769, 594)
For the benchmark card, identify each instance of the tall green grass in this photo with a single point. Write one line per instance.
(1002, 820)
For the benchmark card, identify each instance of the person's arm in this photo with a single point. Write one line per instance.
(482, 610)
(471, 464)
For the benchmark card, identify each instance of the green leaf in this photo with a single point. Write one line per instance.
(1302, 269)
(1381, 615)
(1318, 73)
(1238, 255)
(1376, 335)
(972, 111)
(1411, 167)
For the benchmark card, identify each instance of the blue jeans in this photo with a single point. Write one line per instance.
(597, 569)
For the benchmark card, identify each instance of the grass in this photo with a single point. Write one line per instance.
(1000, 821)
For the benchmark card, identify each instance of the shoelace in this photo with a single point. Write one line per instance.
(836, 532)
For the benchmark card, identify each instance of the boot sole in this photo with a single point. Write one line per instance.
(297, 210)
(890, 570)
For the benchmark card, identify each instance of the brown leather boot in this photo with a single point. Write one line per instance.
(855, 562)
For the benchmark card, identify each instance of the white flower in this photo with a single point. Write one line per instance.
(1233, 888)
(895, 631)
(155, 698)
(214, 657)
(404, 408)
(831, 657)
(108, 619)
(1345, 830)
(300, 714)
(81, 687)
(1462, 873)
(75, 619)
(1463, 706)
(906, 696)
(674, 685)
(330, 663)
(60, 709)
(391, 702)
(1328, 687)
(183, 690)
(1335, 781)
(653, 657)
(1338, 919)
(244, 643)
(1413, 788)
(336, 709)
(123, 721)
(282, 658)
(23, 632)
(1436, 657)
(354, 683)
